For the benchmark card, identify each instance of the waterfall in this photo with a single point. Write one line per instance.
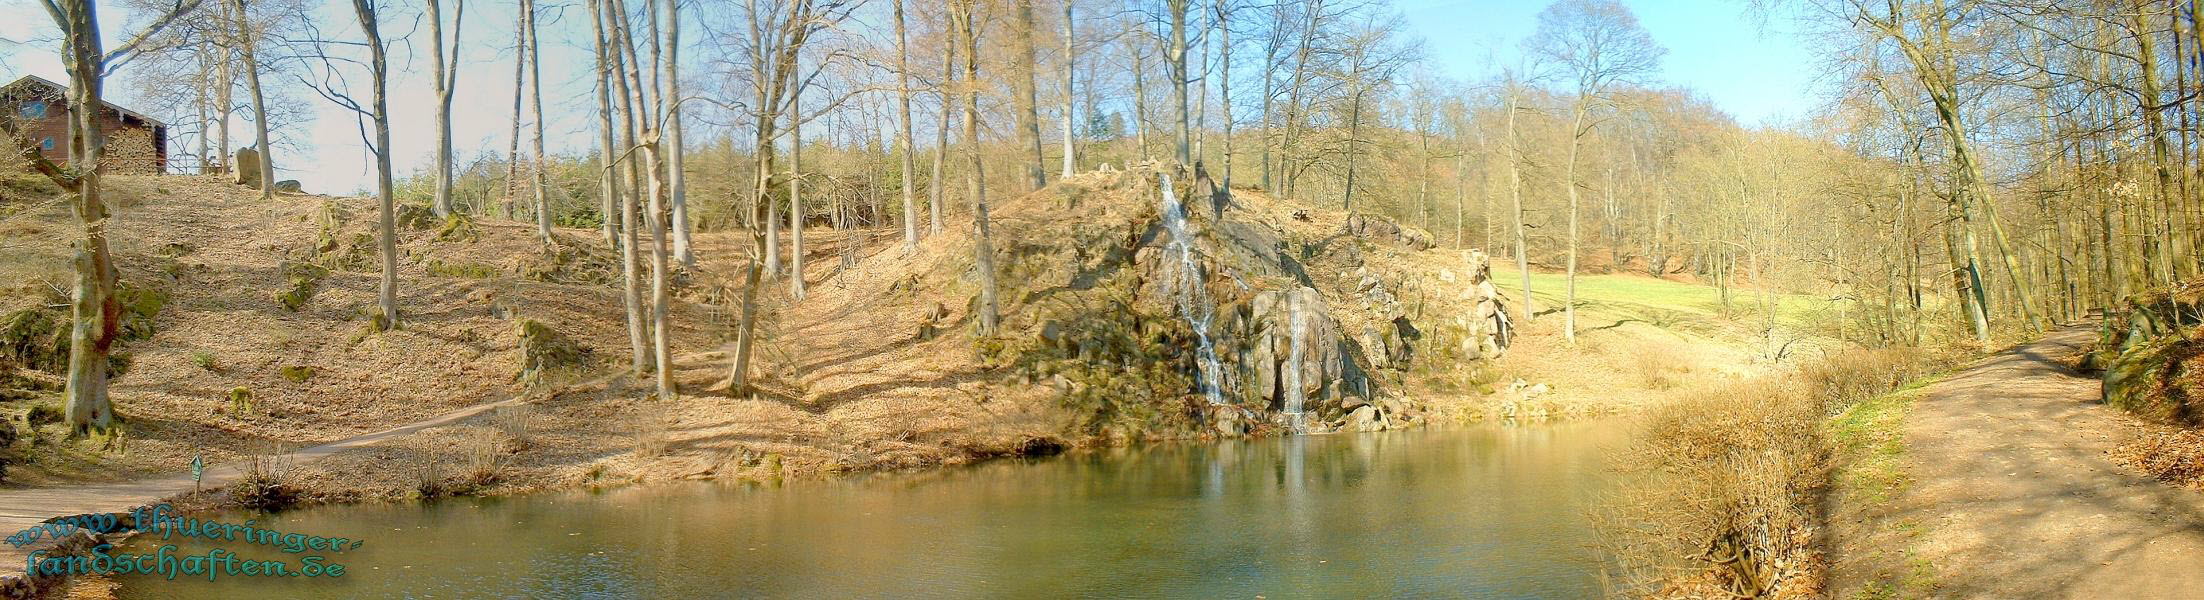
(1193, 298)
(1296, 395)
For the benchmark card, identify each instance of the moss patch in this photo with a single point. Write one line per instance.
(543, 350)
(438, 268)
(296, 373)
(1869, 439)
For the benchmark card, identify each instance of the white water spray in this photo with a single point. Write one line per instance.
(1295, 394)
(1193, 298)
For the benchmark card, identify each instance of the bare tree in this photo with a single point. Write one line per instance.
(95, 316)
(248, 40)
(1598, 43)
(617, 211)
(778, 33)
(941, 133)
(512, 147)
(445, 70)
(535, 110)
(677, 181)
(1071, 60)
(1029, 110)
(903, 115)
(962, 14)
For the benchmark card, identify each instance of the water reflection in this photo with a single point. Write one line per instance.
(1488, 512)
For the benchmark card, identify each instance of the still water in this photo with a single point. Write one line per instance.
(1493, 511)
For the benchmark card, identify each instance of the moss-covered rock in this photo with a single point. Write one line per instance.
(544, 350)
(2160, 381)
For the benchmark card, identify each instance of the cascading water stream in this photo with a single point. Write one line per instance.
(1193, 298)
(1296, 395)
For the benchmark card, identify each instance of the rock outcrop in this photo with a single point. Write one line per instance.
(1296, 357)
(1385, 231)
(1486, 327)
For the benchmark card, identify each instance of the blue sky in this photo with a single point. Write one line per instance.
(1760, 75)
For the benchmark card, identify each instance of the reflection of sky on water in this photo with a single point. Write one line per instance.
(1492, 511)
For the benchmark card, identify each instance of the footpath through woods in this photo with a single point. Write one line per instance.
(2010, 493)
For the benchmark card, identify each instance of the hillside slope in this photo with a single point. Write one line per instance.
(877, 367)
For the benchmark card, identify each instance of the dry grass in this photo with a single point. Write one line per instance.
(1728, 478)
(1722, 502)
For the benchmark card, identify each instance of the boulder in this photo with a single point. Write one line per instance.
(1365, 418)
(1377, 346)
(245, 167)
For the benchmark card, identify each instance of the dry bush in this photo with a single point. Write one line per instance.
(514, 420)
(650, 432)
(1722, 495)
(1659, 363)
(1728, 478)
(268, 483)
(428, 472)
(485, 454)
(1848, 376)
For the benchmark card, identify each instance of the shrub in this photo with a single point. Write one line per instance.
(513, 420)
(241, 401)
(204, 360)
(265, 485)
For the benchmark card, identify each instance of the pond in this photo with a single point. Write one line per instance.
(1488, 511)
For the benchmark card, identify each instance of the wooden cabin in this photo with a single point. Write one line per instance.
(38, 109)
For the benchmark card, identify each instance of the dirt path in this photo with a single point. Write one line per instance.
(2012, 495)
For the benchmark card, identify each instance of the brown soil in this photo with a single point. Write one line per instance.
(2014, 494)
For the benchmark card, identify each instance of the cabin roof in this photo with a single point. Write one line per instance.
(36, 81)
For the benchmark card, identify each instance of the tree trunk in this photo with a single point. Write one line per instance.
(1176, 61)
(95, 315)
(446, 77)
(941, 134)
(1140, 92)
(982, 247)
(903, 114)
(631, 268)
(796, 194)
(615, 218)
(1568, 297)
(535, 110)
(1224, 88)
(1515, 195)
(676, 149)
(512, 146)
(379, 68)
(246, 43)
(1029, 108)
(1070, 59)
